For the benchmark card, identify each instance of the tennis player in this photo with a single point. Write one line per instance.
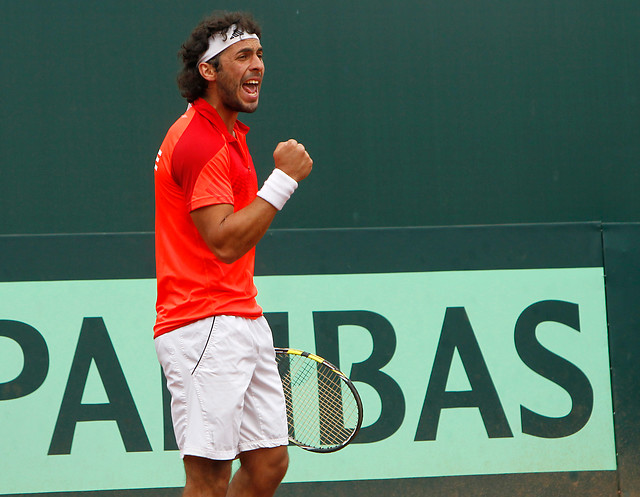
(214, 345)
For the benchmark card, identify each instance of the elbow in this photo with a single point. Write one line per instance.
(227, 258)
(226, 254)
(222, 250)
(226, 249)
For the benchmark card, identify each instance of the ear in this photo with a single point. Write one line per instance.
(207, 71)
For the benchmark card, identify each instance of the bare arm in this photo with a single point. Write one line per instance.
(230, 235)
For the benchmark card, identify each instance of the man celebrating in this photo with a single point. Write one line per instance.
(215, 346)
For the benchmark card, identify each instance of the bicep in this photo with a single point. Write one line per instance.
(209, 221)
(230, 235)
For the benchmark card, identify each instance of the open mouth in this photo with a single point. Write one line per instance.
(251, 86)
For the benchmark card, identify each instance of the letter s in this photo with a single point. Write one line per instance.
(554, 368)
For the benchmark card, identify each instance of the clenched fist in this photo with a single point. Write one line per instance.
(292, 158)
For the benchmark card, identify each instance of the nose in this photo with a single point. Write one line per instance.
(257, 64)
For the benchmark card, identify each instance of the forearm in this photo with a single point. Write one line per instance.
(230, 235)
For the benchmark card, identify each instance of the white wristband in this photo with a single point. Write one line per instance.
(277, 189)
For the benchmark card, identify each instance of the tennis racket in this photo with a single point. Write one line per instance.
(324, 410)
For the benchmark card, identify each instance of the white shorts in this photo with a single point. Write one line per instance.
(226, 393)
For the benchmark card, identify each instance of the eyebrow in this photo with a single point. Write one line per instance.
(249, 49)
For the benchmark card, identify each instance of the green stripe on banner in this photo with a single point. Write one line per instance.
(329, 251)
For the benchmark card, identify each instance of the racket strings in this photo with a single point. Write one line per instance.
(323, 421)
(322, 409)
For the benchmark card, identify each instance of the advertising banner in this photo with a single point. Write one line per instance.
(475, 370)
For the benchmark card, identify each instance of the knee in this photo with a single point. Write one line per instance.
(267, 472)
(273, 469)
(280, 466)
(206, 477)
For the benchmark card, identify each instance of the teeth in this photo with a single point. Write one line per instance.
(252, 82)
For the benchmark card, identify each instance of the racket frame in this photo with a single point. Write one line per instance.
(350, 385)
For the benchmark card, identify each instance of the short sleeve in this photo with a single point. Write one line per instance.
(206, 184)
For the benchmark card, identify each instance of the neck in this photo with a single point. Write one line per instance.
(228, 116)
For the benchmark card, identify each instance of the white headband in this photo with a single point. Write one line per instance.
(222, 41)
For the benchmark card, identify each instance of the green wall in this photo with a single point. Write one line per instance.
(436, 112)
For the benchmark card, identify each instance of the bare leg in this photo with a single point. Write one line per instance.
(260, 472)
(205, 477)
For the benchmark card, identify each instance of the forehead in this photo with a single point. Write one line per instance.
(252, 45)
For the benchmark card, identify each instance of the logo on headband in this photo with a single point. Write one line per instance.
(236, 33)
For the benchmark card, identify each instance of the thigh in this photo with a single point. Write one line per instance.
(209, 367)
(264, 423)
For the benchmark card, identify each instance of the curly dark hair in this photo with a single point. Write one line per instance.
(192, 85)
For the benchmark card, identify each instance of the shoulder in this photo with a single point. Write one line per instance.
(199, 143)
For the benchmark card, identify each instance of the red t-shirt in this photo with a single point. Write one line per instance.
(199, 164)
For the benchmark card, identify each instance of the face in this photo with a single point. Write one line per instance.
(239, 76)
